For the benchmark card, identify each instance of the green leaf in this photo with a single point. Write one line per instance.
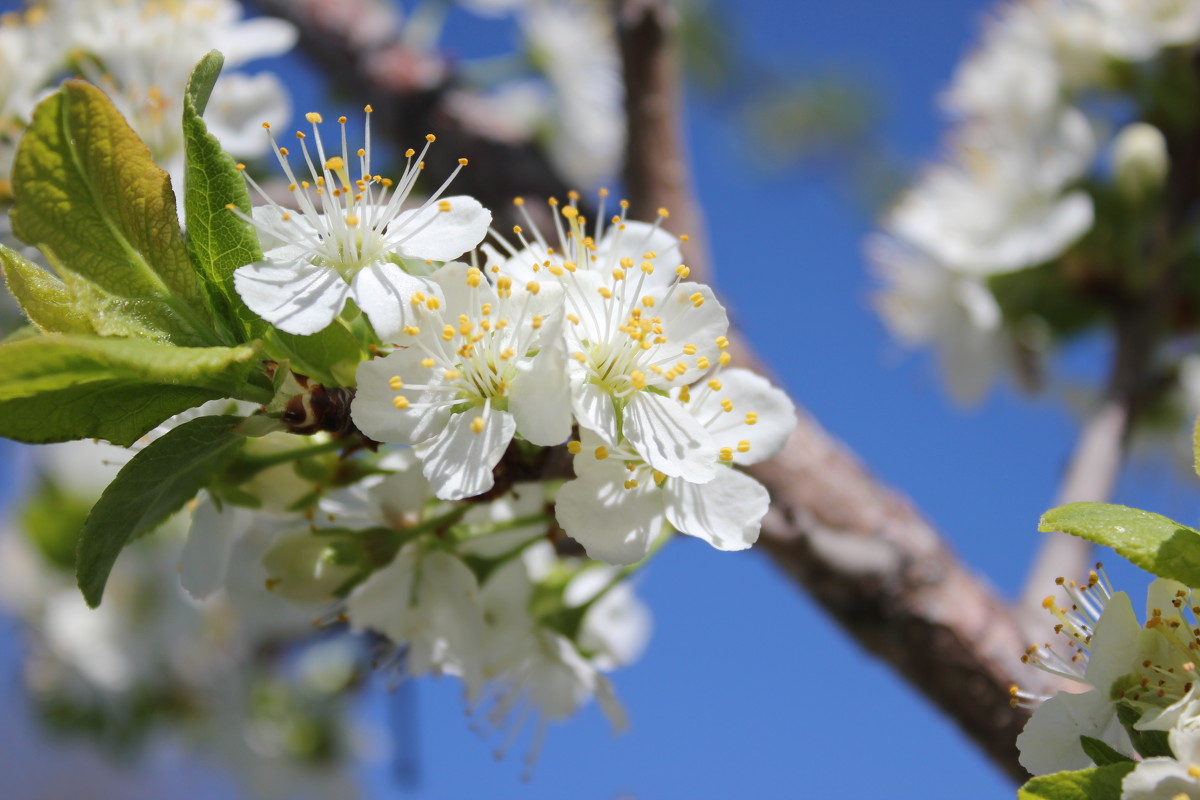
(1148, 744)
(55, 388)
(150, 488)
(218, 240)
(51, 518)
(1098, 783)
(1151, 541)
(87, 190)
(46, 300)
(1101, 752)
(203, 79)
(330, 357)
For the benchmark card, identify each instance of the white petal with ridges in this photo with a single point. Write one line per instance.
(458, 462)
(613, 524)
(373, 409)
(436, 235)
(297, 298)
(540, 399)
(726, 512)
(668, 438)
(383, 292)
(205, 558)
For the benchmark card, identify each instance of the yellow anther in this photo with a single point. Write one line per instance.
(504, 286)
(230, 206)
(400, 402)
(627, 263)
(689, 349)
(411, 330)
(427, 362)
(580, 357)
(313, 117)
(433, 304)
(533, 287)
(292, 187)
(474, 276)
(450, 375)
(685, 395)
(367, 108)
(341, 120)
(485, 309)
(477, 425)
(726, 454)
(570, 212)
(555, 270)
(266, 126)
(352, 221)
(624, 204)
(536, 322)
(418, 298)
(682, 271)
(335, 163)
(443, 205)
(618, 274)
(601, 453)
(409, 153)
(727, 404)
(574, 319)
(569, 266)
(697, 299)
(283, 151)
(462, 162)
(239, 167)
(662, 212)
(507, 353)
(724, 359)
(448, 332)
(518, 201)
(395, 383)
(574, 447)
(429, 137)
(650, 254)
(631, 483)
(361, 152)
(751, 418)
(702, 362)
(659, 477)
(648, 301)
(301, 135)
(722, 342)
(743, 446)
(638, 379)
(605, 292)
(1048, 602)
(647, 267)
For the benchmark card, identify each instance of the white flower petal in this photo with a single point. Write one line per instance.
(205, 558)
(373, 409)
(775, 416)
(1160, 779)
(437, 235)
(297, 298)
(383, 292)
(1050, 741)
(670, 439)
(458, 462)
(726, 512)
(594, 410)
(540, 399)
(614, 524)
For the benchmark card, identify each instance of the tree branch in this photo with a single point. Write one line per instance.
(861, 550)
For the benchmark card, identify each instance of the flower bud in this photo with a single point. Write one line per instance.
(1140, 160)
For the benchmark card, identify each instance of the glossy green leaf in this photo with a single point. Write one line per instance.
(330, 357)
(87, 190)
(1098, 783)
(1101, 753)
(218, 240)
(55, 388)
(156, 483)
(1151, 541)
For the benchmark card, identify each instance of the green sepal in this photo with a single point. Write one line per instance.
(56, 387)
(1101, 753)
(218, 240)
(1148, 744)
(1151, 541)
(156, 483)
(1097, 783)
(88, 193)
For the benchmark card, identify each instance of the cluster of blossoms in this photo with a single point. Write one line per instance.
(1142, 699)
(593, 346)
(1019, 184)
(141, 52)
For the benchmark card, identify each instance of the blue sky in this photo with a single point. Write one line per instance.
(747, 689)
